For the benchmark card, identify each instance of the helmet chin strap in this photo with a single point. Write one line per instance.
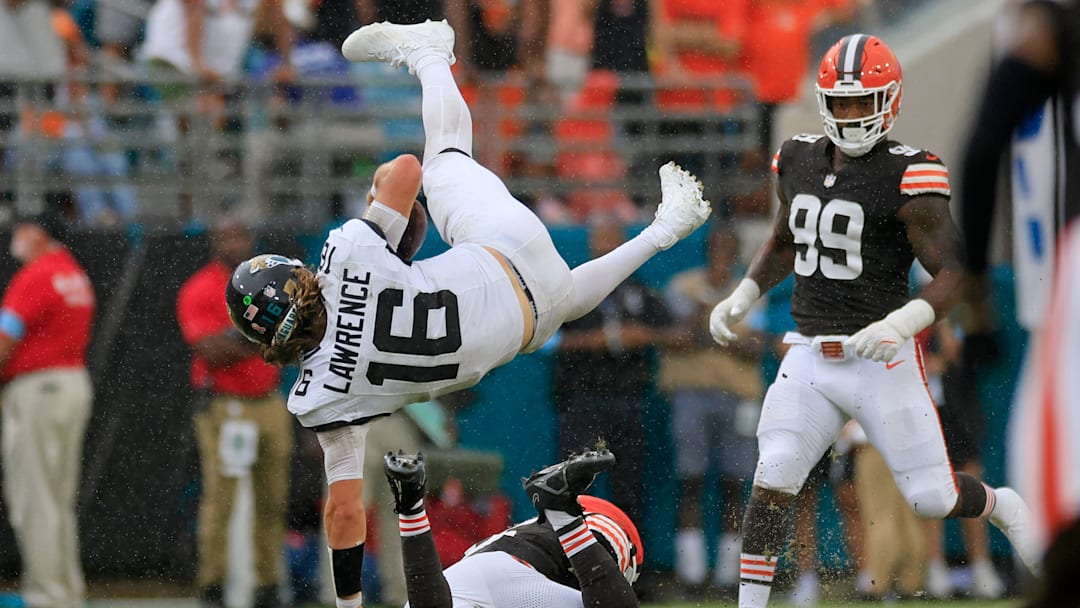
(855, 134)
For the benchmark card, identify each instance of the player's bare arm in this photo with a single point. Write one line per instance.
(775, 259)
(935, 241)
(392, 204)
(396, 183)
(224, 349)
(773, 262)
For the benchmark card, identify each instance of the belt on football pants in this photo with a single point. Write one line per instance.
(830, 348)
(525, 290)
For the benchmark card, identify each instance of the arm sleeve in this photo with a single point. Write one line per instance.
(1013, 89)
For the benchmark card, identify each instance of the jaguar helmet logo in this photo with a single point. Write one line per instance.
(268, 261)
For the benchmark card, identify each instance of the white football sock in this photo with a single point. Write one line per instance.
(356, 602)
(727, 559)
(752, 595)
(447, 122)
(690, 566)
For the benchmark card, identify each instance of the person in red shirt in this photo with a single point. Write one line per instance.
(45, 318)
(776, 49)
(698, 39)
(242, 427)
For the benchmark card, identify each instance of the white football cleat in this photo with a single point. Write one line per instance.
(807, 591)
(985, 582)
(1012, 517)
(398, 44)
(938, 584)
(682, 208)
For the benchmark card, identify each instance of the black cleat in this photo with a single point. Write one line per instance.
(558, 486)
(407, 478)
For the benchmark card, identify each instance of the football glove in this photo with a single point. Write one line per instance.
(881, 340)
(731, 310)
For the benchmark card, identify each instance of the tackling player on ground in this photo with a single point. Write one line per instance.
(373, 331)
(855, 210)
(580, 551)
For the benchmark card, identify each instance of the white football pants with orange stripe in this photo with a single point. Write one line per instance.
(813, 396)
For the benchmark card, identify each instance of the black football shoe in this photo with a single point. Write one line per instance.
(557, 487)
(407, 478)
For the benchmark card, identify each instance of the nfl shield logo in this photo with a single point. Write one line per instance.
(830, 179)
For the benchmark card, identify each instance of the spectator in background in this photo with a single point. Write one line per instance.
(776, 50)
(208, 40)
(305, 549)
(241, 423)
(45, 322)
(29, 49)
(895, 539)
(950, 376)
(400, 11)
(394, 11)
(118, 26)
(387, 434)
(621, 31)
(494, 36)
(697, 44)
(602, 371)
(81, 129)
(698, 39)
(775, 56)
(1029, 101)
(569, 40)
(715, 397)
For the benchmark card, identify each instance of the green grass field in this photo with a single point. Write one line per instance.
(186, 603)
(854, 604)
(939, 603)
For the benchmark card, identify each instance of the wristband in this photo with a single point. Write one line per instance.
(748, 288)
(913, 317)
(391, 222)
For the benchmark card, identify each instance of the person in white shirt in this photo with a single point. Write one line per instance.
(208, 39)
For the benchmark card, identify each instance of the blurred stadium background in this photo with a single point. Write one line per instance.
(297, 159)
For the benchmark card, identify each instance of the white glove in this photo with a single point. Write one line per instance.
(881, 340)
(731, 310)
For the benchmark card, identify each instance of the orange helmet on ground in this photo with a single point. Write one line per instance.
(616, 529)
(856, 66)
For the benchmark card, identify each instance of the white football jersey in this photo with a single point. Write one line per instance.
(399, 333)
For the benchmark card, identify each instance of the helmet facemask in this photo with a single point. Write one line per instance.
(857, 136)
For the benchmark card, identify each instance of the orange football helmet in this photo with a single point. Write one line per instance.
(618, 531)
(859, 65)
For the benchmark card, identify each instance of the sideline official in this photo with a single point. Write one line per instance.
(46, 316)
